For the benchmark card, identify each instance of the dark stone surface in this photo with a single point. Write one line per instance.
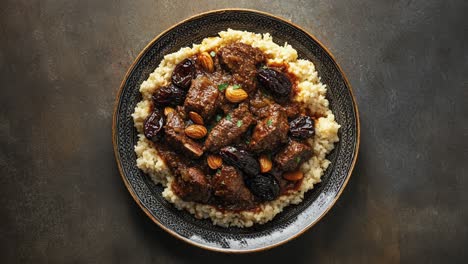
(62, 199)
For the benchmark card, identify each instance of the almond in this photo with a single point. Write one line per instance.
(234, 94)
(265, 163)
(196, 131)
(196, 118)
(168, 110)
(293, 175)
(195, 149)
(206, 61)
(214, 161)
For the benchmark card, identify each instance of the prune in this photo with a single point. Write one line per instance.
(240, 159)
(169, 95)
(302, 127)
(276, 83)
(153, 125)
(264, 186)
(183, 74)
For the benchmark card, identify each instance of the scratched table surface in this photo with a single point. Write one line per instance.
(62, 199)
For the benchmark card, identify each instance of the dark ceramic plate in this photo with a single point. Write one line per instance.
(295, 219)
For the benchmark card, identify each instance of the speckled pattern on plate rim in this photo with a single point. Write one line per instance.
(294, 220)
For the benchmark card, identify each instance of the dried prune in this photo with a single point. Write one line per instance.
(169, 95)
(302, 127)
(153, 125)
(240, 159)
(275, 82)
(264, 186)
(183, 74)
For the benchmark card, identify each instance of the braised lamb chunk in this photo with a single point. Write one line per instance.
(221, 81)
(259, 104)
(238, 55)
(292, 110)
(220, 77)
(202, 97)
(230, 128)
(293, 155)
(174, 161)
(242, 60)
(192, 185)
(225, 106)
(230, 190)
(176, 137)
(270, 132)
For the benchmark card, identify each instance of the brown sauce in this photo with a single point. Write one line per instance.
(257, 125)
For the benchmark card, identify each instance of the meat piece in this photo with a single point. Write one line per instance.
(192, 185)
(236, 55)
(222, 79)
(219, 77)
(225, 106)
(292, 110)
(173, 160)
(202, 97)
(259, 104)
(229, 128)
(229, 189)
(242, 60)
(175, 136)
(293, 155)
(270, 132)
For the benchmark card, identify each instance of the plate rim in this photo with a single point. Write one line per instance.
(146, 210)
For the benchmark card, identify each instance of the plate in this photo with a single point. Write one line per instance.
(295, 219)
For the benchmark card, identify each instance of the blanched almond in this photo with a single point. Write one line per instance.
(196, 150)
(265, 163)
(235, 94)
(206, 61)
(168, 110)
(293, 175)
(196, 131)
(196, 118)
(214, 161)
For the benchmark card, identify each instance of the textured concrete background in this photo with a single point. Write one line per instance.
(61, 197)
